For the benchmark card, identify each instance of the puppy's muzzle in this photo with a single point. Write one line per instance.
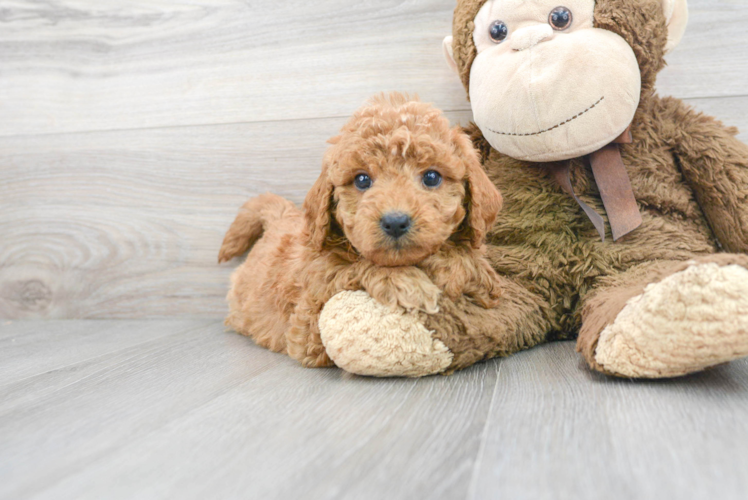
(395, 224)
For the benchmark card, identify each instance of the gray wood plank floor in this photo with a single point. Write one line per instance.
(182, 409)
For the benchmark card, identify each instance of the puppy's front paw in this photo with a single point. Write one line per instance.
(408, 288)
(416, 295)
(366, 338)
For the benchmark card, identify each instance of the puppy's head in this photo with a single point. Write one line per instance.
(398, 183)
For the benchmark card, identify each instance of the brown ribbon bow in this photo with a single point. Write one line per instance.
(614, 185)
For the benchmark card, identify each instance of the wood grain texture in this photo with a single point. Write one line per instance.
(128, 224)
(132, 131)
(199, 413)
(710, 60)
(78, 65)
(73, 65)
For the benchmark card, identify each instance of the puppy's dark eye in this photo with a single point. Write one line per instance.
(498, 31)
(560, 18)
(432, 179)
(362, 182)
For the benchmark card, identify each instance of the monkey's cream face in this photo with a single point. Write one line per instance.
(546, 85)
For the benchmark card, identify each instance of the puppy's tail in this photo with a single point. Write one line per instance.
(251, 222)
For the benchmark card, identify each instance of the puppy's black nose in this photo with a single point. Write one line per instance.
(395, 224)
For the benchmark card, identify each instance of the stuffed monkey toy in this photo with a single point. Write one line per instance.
(625, 219)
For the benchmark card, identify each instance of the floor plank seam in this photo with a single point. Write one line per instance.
(712, 97)
(278, 120)
(484, 437)
(197, 125)
(109, 353)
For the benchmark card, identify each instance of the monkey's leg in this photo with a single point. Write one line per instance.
(666, 319)
(363, 337)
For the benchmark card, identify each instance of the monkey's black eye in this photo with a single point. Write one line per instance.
(498, 31)
(432, 179)
(560, 18)
(362, 182)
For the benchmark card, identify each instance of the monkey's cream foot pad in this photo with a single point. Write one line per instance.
(364, 337)
(689, 321)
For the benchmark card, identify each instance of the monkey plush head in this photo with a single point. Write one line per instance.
(550, 80)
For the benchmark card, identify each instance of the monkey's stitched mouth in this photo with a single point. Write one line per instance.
(553, 127)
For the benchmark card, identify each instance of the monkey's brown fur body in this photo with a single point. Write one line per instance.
(688, 173)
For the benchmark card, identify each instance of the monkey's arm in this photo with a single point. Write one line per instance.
(473, 332)
(364, 337)
(715, 165)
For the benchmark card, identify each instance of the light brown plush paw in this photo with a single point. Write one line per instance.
(689, 321)
(366, 338)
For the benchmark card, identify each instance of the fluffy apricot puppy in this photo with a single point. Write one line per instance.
(400, 210)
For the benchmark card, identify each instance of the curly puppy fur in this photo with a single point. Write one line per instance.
(301, 259)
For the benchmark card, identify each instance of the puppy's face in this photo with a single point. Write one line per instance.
(400, 184)
(398, 209)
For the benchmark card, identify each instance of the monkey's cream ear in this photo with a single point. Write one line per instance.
(676, 14)
(449, 54)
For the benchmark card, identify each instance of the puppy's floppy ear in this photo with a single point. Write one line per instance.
(483, 200)
(317, 213)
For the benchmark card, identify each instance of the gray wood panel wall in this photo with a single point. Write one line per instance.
(132, 130)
